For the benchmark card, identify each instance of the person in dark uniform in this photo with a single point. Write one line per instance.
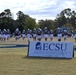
(8, 34)
(65, 34)
(23, 34)
(39, 34)
(17, 34)
(74, 34)
(51, 34)
(0, 35)
(45, 33)
(29, 32)
(34, 34)
(4, 34)
(59, 34)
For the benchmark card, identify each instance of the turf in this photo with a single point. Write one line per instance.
(14, 61)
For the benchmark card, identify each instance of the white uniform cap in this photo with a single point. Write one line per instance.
(17, 29)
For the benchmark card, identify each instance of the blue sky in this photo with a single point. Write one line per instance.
(38, 9)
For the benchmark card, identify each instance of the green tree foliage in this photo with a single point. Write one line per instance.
(21, 17)
(66, 17)
(6, 20)
(30, 23)
(46, 23)
(25, 21)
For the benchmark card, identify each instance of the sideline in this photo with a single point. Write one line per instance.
(13, 46)
(20, 46)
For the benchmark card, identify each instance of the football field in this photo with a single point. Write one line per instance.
(14, 61)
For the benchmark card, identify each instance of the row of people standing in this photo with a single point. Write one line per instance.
(37, 34)
(4, 34)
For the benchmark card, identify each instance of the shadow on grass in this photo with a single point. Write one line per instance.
(45, 58)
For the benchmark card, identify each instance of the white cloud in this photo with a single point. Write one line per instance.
(70, 4)
(39, 9)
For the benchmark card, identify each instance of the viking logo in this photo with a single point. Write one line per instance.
(38, 46)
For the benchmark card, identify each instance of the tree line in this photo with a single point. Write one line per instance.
(66, 18)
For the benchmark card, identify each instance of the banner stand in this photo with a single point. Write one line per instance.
(73, 51)
(28, 48)
(51, 52)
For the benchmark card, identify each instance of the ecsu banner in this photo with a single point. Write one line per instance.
(50, 49)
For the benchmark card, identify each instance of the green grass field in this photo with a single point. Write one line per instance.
(14, 61)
